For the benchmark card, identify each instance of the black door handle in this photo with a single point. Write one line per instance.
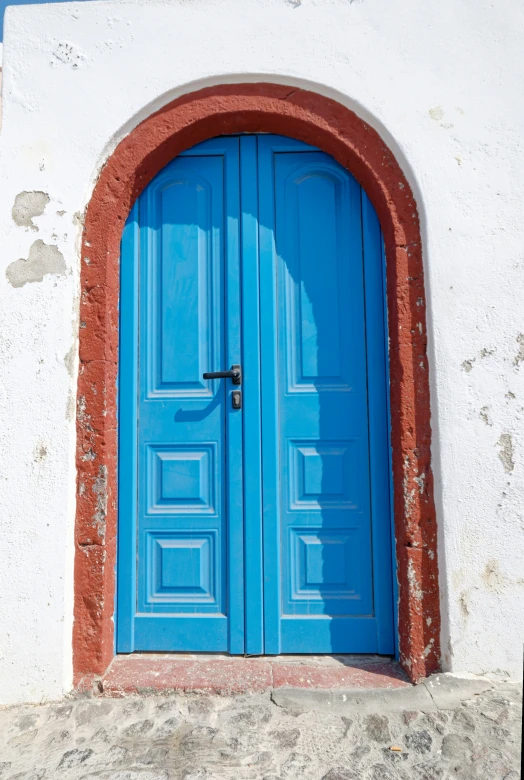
(235, 374)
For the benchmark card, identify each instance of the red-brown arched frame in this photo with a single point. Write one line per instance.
(316, 120)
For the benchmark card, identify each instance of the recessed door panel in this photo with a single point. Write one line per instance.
(187, 275)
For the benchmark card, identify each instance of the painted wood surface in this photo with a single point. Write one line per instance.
(265, 529)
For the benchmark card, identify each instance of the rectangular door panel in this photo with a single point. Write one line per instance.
(185, 282)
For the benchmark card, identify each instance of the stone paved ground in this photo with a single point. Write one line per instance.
(260, 737)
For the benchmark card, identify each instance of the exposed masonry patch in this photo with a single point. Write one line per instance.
(28, 205)
(43, 259)
(506, 452)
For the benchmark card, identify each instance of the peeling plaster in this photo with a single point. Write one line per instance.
(436, 113)
(69, 359)
(484, 415)
(40, 453)
(43, 259)
(520, 354)
(100, 490)
(416, 590)
(506, 453)
(493, 577)
(463, 604)
(68, 54)
(28, 205)
(485, 352)
(428, 649)
(409, 495)
(70, 406)
(421, 481)
(78, 218)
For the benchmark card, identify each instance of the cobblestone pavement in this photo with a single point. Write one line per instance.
(257, 737)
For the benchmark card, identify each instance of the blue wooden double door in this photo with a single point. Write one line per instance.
(254, 508)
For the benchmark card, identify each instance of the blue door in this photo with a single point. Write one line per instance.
(254, 506)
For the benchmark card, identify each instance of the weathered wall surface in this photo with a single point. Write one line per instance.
(440, 84)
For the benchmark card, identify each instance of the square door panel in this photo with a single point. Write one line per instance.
(324, 474)
(181, 478)
(182, 567)
(324, 565)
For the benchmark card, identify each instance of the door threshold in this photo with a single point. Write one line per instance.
(142, 673)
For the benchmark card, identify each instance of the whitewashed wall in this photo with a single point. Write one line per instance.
(442, 83)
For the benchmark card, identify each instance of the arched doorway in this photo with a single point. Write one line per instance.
(254, 512)
(321, 122)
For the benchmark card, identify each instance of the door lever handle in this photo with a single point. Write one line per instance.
(235, 374)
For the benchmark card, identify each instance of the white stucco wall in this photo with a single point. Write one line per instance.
(442, 83)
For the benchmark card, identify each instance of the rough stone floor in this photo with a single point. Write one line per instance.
(442, 729)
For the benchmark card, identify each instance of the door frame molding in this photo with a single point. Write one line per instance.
(322, 122)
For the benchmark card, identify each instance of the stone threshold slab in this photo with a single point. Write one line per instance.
(131, 674)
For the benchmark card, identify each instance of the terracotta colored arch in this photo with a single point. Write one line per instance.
(186, 121)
